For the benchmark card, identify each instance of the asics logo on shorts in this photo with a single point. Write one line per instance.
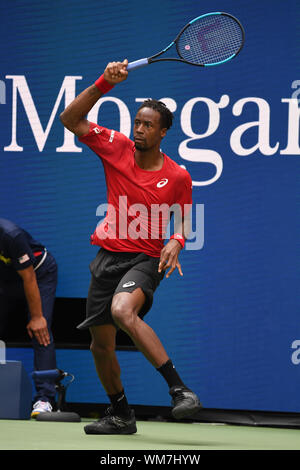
(129, 284)
(162, 183)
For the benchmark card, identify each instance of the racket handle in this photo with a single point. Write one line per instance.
(137, 64)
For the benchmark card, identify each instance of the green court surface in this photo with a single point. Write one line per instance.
(151, 435)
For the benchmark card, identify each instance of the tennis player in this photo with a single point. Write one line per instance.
(128, 268)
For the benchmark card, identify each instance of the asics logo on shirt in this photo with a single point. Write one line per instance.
(129, 284)
(162, 183)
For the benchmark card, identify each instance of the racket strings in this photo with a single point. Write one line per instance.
(210, 39)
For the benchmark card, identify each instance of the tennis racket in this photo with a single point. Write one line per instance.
(207, 40)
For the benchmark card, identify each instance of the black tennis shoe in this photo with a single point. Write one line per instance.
(184, 401)
(112, 424)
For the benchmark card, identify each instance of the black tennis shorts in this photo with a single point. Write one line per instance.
(114, 272)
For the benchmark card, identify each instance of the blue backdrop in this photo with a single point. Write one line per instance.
(231, 324)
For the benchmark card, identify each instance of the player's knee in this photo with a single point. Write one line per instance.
(123, 315)
(101, 350)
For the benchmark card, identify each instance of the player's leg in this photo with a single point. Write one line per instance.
(125, 309)
(105, 277)
(103, 346)
(119, 417)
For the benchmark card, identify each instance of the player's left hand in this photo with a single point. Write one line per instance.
(169, 258)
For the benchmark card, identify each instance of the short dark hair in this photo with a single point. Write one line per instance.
(166, 116)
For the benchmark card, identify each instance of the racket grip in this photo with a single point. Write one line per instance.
(137, 64)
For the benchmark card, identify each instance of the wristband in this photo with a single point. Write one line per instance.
(179, 238)
(103, 84)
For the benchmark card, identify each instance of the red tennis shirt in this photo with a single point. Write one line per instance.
(139, 201)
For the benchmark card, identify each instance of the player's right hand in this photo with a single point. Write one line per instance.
(116, 72)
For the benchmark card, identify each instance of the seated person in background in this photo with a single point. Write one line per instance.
(28, 272)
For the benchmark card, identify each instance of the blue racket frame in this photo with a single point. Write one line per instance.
(147, 61)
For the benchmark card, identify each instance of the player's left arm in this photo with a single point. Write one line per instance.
(170, 253)
(182, 227)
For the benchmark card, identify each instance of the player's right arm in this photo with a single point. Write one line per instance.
(74, 116)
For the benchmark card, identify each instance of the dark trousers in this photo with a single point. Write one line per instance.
(13, 303)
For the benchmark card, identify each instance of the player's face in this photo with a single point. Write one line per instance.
(147, 129)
